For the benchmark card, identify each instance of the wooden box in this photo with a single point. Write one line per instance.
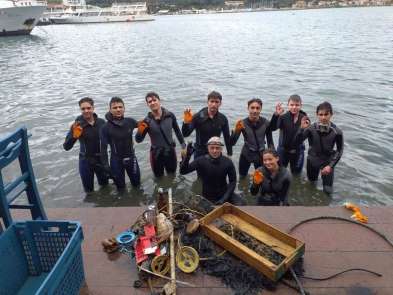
(289, 248)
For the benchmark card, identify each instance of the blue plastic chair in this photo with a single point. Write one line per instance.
(12, 147)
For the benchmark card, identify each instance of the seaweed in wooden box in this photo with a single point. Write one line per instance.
(255, 242)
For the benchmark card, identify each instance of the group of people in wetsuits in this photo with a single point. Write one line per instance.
(271, 179)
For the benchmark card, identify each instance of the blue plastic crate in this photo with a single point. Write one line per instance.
(41, 257)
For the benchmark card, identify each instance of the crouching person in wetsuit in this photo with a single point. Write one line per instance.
(289, 124)
(86, 129)
(254, 129)
(117, 132)
(322, 137)
(159, 124)
(208, 122)
(214, 169)
(271, 181)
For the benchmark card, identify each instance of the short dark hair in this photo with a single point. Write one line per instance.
(86, 99)
(115, 99)
(270, 151)
(252, 100)
(214, 95)
(295, 98)
(152, 94)
(325, 106)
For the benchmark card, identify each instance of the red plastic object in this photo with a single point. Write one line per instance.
(139, 255)
(150, 231)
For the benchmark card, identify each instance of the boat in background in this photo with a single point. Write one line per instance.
(19, 17)
(80, 13)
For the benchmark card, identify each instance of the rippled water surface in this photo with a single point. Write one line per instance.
(341, 55)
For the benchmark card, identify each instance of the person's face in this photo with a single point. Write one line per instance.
(294, 107)
(117, 109)
(213, 104)
(254, 110)
(324, 116)
(270, 162)
(153, 103)
(214, 150)
(87, 110)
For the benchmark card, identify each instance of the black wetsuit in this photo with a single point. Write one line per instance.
(273, 191)
(214, 173)
(118, 134)
(254, 143)
(206, 128)
(90, 152)
(321, 151)
(289, 151)
(162, 150)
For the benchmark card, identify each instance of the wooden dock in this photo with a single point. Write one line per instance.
(331, 246)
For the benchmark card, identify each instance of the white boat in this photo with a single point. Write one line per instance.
(80, 13)
(19, 17)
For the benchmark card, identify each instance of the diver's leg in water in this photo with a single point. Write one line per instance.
(244, 165)
(117, 170)
(237, 200)
(133, 171)
(87, 175)
(297, 161)
(170, 162)
(327, 181)
(156, 163)
(312, 171)
(283, 156)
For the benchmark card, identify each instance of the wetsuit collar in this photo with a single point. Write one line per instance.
(82, 121)
(110, 118)
(256, 124)
(165, 113)
(206, 114)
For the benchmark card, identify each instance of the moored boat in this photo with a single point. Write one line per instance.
(19, 17)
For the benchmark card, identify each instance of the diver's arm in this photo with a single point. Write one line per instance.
(104, 146)
(283, 193)
(225, 131)
(178, 133)
(188, 128)
(340, 149)
(187, 167)
(269, 137)
(231, 185)
(69, 141)
(139, 137)
(275, 122)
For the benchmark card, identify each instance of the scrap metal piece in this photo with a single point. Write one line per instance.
(160, 264)
(187, 259)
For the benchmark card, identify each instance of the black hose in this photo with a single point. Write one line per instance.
(342, 219)
(339, 273)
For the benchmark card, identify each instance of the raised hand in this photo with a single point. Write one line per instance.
(142, 126)
(279, 109)
(239, 126)
(305, 122)
(258, 177)
(77, 130)
(187, 117)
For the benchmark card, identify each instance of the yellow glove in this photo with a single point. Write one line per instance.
(239, 126)
(76, 130)
(187, 117)
(142, 125)
(258, 177)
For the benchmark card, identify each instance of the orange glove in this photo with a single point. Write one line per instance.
(351, 207)
(258, 177)
(142, 125)
(239, 126)
(76, 130)
(187, 117)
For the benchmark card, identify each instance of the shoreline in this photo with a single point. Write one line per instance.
(246, 10)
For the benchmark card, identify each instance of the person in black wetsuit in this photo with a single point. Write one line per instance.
(214, 169)
(322, 137)
(86, 129)
(159, 124)
(289, 124)
(117, 132)
(254, 129)
(208, 122)
(271, 181)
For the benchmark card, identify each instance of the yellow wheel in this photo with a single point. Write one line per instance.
(187, 259)
(160, 264)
